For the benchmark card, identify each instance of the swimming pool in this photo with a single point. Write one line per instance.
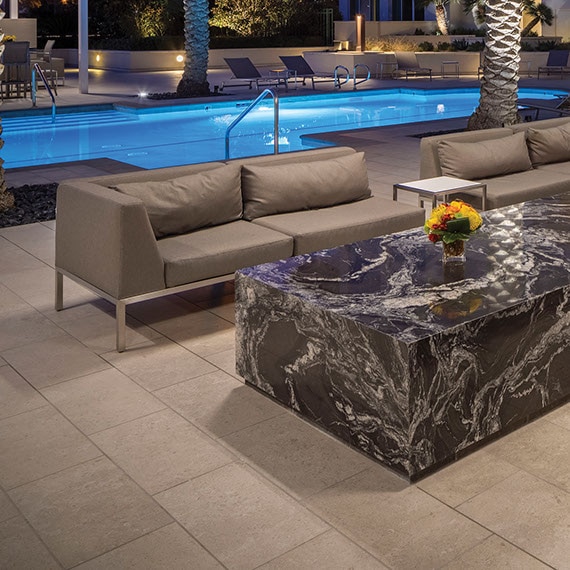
(174, 135)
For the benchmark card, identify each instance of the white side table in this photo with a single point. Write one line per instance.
(429, 189)
(453, 64)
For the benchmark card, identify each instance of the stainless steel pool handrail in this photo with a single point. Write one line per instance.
(37, 69)
(337, 82)
(354, 74)
(258, 99)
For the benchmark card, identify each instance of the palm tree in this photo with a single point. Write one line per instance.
(441, 16)
(194, 81)
(6, 199)
(499, 84)
(540, 13)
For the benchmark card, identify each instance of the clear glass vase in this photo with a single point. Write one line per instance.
(454, 252)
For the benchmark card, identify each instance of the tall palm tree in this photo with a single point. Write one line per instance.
(540, 14)
(441, 15)
(194, 81)
(499, 84)
(6, 199)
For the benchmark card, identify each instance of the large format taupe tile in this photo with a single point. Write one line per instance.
(495, 553)
(168, 548)
(36, 239)
(54, 360)
(16, 395)
(97, 332)
(296, 455)
(161, 450)
(386, 516)
(7, 508)
(560, 416)
(240, 518)
(529, 513)
(226, 361)
(223, 307)
(219, 403)
(541, 448)
(21, 549)
(329, 551)
(160, 365)
(37, 443)
(101, 400)
(15, 260)
(467, 477)
(87, 510)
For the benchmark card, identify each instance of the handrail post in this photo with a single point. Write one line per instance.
(355, 83)
(337, 82)
(258, 99)
(37, 69)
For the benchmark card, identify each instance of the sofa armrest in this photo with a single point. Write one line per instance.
(105, 238)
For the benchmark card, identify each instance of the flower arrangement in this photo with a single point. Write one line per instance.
(451, 222)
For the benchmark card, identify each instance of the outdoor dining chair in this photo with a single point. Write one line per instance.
(16, 60)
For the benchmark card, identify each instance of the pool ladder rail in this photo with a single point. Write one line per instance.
(338, 78)
(265, 93)
(37, 70)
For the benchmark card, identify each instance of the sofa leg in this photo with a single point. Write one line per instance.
(121, 323)
(58, 290)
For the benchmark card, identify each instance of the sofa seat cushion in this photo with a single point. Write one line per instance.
(338, 225)
(276, 189)
(484, 159)
(190, 202)
(520, 187)
(549, 145)
(556, 167)
(220, 250)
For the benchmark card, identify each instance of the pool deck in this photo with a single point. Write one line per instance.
(160, 457)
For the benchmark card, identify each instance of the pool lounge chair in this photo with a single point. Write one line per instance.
(557, 62)
(558, 107)
(246, 74)
(300, 69)
(407, 64)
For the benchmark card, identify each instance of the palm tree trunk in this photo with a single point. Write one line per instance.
(6, 199)
(194, 81)
(499, 84)
(441, 19)
(530, 26)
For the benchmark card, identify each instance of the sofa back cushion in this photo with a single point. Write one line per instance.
(484, 159)
(190, 202)
(549, 145)
(278, 189)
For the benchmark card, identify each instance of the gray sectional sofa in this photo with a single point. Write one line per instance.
(518, 163)
(141, 235)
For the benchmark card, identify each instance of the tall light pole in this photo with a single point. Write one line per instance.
(83, 47)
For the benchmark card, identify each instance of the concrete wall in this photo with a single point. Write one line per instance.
(25, 29)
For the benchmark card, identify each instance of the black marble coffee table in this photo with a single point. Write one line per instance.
(412, 364)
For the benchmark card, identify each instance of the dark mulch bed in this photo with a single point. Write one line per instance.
(33, 203)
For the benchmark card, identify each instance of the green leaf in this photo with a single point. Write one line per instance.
(458, 225)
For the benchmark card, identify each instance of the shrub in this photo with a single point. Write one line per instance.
(425, 46)
(390, 43)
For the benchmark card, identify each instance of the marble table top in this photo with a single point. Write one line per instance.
(398, 285)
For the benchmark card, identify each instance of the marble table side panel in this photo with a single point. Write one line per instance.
(349, 379)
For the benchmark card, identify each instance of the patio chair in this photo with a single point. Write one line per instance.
(16, 60)
(43, 57)
(557, 62)
(407, 64)
(243, 70)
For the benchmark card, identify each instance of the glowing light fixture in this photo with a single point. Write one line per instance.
(360, 32)
(98, 58)
(143, 94)
(179, 58)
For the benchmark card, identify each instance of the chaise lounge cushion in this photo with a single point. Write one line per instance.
(338, 225)
(220, 250)
(549, 145)
(484, 159)
(180, 205)
(284, 188)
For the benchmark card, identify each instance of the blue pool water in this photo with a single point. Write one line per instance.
(174, 135)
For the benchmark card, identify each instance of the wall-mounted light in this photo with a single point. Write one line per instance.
(143, 94)
(98, 58)
(179, 58)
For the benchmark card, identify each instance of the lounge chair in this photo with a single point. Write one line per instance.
(407, 64)
(559, 107)
(245, 72)
(557, 62)
(302, 70)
